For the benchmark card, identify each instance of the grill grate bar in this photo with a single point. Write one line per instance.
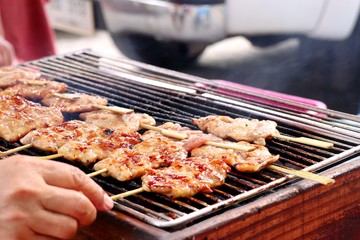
(141, 92)
(193, 79)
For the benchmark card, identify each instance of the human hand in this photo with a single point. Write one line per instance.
(46, 199)
(7, 53)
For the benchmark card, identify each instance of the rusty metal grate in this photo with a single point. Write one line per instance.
(171, 96)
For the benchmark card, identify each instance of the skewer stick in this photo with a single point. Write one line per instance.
(98, 172)
(49, 157)
(93, 174)
(181, 136)
(166, 132)
(231, 146)
(307, 141)
(119, 110)
(126, 194)
(35, 82)
(67, 96)
(14, 150)
(303, 174)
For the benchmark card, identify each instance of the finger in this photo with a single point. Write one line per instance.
(8, 59)
(66, 176)
(2, 58)
(54, 225)
(8, 52)
(71, 203)
(12, 55)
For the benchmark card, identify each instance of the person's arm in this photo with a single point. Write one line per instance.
(46, 199)
(7, 52)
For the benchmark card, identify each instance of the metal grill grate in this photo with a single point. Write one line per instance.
(171, 96)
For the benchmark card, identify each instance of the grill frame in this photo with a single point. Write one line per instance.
(85, 66)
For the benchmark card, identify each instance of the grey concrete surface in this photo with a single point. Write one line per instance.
(99, 42)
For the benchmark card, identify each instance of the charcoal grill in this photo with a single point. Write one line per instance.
(267, 204)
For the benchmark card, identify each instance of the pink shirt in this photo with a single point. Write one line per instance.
(26, 27)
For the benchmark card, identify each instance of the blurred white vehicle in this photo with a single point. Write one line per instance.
(172, 32)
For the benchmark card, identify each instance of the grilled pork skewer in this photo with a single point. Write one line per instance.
(74, 102)
(52, 138)
(192, 138)
(254, 159)
(10, 76)
(183, 178)
(15, 150)
(19, 116)
(123, 122)
(154, 145)
(77, 102)
(250, 161)
(34, 89)
(80, 141)
(254, 131)
(128, 164)
(88, 151)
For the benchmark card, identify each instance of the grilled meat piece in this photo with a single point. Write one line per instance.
(195, 138)
(73, 103)
(89, 150)
(9, 76)
(249, 161)
(52, 138)
(19, 116)
(123, 122)
(239, 129)
(187, 177)
(35, 89)
(127, 164)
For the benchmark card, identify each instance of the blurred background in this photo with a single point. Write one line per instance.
(320, 68)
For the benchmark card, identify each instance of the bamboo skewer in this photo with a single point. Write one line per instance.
(115, 109)
(35, 82)
(299, 173)
(305, 140)
(98, 172)
(57, 155)
(234, 146)
(126, 194)
(181, 136)
(303, 174)
(119, 110)
(14, 150)
(49, 157)
(67, 96)
(166, 132)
